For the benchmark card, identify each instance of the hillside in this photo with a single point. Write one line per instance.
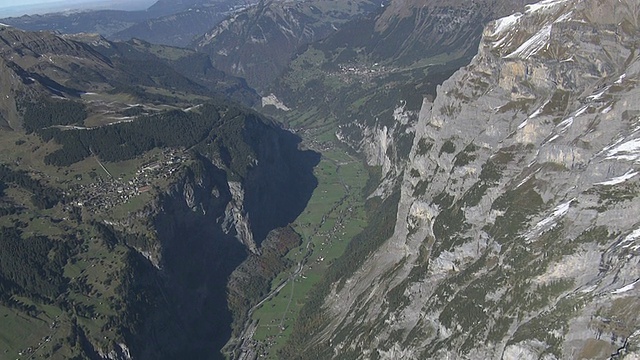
(113, 172)
(174, 23)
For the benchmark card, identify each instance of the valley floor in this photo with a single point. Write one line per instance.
(334, 215)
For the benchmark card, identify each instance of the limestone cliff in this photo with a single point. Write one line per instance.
(517, 230)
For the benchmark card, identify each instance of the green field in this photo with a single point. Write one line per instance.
(333, 216)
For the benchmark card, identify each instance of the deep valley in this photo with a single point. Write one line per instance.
(315, 179)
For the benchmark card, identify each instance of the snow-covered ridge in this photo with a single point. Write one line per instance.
(505, 23)
(508, 33)
(532, 46)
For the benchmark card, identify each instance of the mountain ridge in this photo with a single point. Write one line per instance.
(115, 168)
(508, 242)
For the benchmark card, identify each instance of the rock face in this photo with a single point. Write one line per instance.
(371, 75)
(207, 223)
(517, 227)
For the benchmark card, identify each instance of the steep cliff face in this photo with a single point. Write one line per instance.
(371, 75)
(206, 224)
(517, 228)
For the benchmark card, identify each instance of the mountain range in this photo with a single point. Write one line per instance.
(415, 179)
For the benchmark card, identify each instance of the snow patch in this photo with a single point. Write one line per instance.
(533, 45)
(598, 95)
(527, 178)
(552, 138)
(192, 108)
(620, 179)
(550, 221)
(619, 81)
(629, 150)
(539, 111)
(559, 211)
(505, 23)
(609, 147)
(564, 17)
(566, 123)
(625, 288)
(499, 42)
(630, 239)
(523, 124)
(581, 111)
(607, 109)
(543, 5)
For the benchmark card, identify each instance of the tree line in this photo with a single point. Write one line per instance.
(50, 112)
(43, 196)
(32, 266)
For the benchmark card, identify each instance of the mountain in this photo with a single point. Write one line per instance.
(37, 63)
(368, 79)
(105, 22)
(258, 43)
(182, 26)
(178, 29)
(129, 194)
(166, 7)
(514, 233)
(194, 66)
(174, 23)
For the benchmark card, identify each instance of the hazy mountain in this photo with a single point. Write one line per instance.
(258, 43)
(105, 22)
(180, 28)
(165, 22)
(145, 215)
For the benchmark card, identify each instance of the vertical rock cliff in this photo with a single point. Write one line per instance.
(517, 226)
(207, 223)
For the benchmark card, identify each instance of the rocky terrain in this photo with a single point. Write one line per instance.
(517, 230)
(369, 77)
(145, 215)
